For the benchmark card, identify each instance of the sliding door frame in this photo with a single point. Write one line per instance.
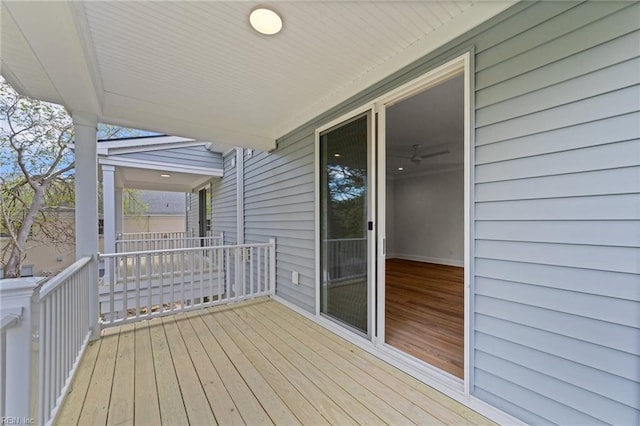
(458, 66)
(462, 64)
(371, 215)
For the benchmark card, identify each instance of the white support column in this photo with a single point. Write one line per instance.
(109, 209)
(15, 313)
(86, 162)
(119, 212)
(240, 193)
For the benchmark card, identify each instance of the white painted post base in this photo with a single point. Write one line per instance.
(16, 329)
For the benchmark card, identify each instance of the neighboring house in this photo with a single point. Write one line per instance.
(164, 212)
(531, 117)
(155, 163)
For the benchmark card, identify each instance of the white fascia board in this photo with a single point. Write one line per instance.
(135, 149)
(480, 12)
(52, 34)
(142, 142)
(156, 165)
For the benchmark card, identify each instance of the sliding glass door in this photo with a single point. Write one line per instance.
(344, 222)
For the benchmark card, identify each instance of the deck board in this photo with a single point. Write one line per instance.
(294, 400)
(248, 363)
(172, 410)
(96, 404)
(122, 394)
(322, 403)
(199, 411)
(221, 403)
(70, 412)
(147, 408)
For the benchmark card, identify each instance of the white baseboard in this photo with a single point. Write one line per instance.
(438, 261)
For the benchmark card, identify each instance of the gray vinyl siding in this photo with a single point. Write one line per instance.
(197, 156)
(557, 232)
(556, 239)
(224, 202)
(279, 202)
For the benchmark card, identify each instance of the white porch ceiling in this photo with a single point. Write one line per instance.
(136, 178)
(197, 69)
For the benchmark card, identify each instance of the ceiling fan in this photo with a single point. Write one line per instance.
(417, 156)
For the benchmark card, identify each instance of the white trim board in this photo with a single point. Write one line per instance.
(426, 259)
(160, 166)
(149, 148)
(144, 141)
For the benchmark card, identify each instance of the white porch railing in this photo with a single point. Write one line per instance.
(346, 258)
(165, 241)
(64, 334)
(151, 283)
(143, 285)
(153, 235)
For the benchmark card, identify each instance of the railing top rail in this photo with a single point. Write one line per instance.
(177, 250)
(153, 232)
(345, 239)
(54, 282)
(168, 239)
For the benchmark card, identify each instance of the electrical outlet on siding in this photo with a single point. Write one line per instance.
(295, 278)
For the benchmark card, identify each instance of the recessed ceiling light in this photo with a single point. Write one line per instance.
(265, 21)
(400, 168)
(337, 154)
(165, 175)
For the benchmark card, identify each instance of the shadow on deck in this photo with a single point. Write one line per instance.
(250, 363)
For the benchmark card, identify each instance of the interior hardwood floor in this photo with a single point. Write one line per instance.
(425, 312)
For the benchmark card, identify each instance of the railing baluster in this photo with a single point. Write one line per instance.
(182, 261)
(201, 257)
(161, 290)
(220, 254)
(251, 258)
(149, 270)
(173, 297)
(193, 280)
(112, 280)
(227, 278)
(138, 259)
(125, 289)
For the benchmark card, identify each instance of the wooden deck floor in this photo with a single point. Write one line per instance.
(252, 363)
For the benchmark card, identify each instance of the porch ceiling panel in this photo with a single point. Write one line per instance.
(197, 69)
(136, 178)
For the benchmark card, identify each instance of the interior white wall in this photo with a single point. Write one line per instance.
(425, 218)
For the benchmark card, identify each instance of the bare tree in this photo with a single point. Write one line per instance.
(36, 169)
(36, 175)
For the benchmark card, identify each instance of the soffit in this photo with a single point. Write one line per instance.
(197, 69)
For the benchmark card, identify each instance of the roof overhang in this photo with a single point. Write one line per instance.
(139, 174)
(196, 69)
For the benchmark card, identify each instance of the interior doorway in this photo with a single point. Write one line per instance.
(423, 279)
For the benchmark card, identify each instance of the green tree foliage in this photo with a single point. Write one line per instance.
(36, 175)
